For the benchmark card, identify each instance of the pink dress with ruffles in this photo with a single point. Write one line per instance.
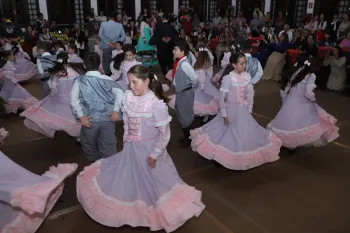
(243, 144)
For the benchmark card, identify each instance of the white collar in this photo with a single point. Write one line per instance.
(98, 74)
(46, 54)
(247, 55)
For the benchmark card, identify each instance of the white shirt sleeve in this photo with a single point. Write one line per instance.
(39, 66)
(258, 74)
(119, 97)
(75, 101)
(191, 74)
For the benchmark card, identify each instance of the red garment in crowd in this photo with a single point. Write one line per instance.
(176, 63)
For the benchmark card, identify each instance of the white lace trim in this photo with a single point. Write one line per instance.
(163, 123)
(239, 152)
(293, 131)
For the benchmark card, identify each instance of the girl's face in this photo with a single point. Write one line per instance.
(335, 51)
(310, 40)
(11, 57)
(182, 32)
(138, 86)
(70, 50)
(29, 29)
(241, 65)
(129, 56)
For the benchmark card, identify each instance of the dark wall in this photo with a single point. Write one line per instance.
(61, 11)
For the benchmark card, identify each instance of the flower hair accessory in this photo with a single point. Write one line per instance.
(296, 64)
(201, 49)
(307, 63)
(233, 47)
(60, 60)
(238, 46)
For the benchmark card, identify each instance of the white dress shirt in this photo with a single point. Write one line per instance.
(189, 71)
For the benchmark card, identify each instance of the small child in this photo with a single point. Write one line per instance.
(99, 52)
(184, 80)
(44, 62)
(140, 185)
(118, 48)
(72, 53)
(233, 138)
(96, 100)
(253, 65)
(25, 68)
(57, 47)
(128, 39)
(54, 113)
(224, 62)
(13, 94)
(125, 66)
(300, 121)
(115, 66)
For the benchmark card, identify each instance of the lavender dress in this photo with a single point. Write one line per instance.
(123, 81)
(224, 62)
(301, 122)
(26, 198)
(124, 190)
(13, 94)
(25, 69)
(243, 144)
(54, 112)
(74, 58)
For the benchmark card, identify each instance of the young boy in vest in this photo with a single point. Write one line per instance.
(184, 80)
(253, 65)
(96, 100)
(44, 62)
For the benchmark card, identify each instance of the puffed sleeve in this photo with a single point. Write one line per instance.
(250, 97)
(310, 86)
(225, 87)
(162, 117)
(201, 78)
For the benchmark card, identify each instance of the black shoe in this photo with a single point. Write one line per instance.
(186, 144)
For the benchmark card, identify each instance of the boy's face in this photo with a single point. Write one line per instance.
(118, 46)
(41, 51)
(178, 53)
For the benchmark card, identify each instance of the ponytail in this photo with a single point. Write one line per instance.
(229, 68)
(156, 87)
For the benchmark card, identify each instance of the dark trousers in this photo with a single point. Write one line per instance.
(107, 59)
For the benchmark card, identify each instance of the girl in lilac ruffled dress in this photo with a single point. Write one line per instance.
(12, 93)
(300, 121)
(140, 185)
(233, 138)
(54, 113)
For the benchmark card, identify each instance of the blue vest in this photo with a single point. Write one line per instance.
(47, 62)
(252, 66)
(182, 82)
(96, 97)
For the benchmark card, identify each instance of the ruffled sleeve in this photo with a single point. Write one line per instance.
(201, 78)
(53, 84)
(225, 60)
(310, 86)
(225, 87)
(250, 97)
(162, 118)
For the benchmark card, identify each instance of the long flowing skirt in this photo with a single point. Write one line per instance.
(26, 198)
(241, 145)
(140, 196)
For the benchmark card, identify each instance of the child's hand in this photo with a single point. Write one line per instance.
(114, 116)
(151, 162)
(226, 121)
(85, 121)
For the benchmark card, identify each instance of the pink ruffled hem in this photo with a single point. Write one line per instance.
(13, 105)
(315, 135)
(173, 209)
(25, 223)
(33, 199)
(242, 160)
(27, 76)
(211, 108)
(49, 123)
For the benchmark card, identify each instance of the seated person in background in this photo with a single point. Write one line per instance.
(327, 41)
(310, 47)
(345, 43)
